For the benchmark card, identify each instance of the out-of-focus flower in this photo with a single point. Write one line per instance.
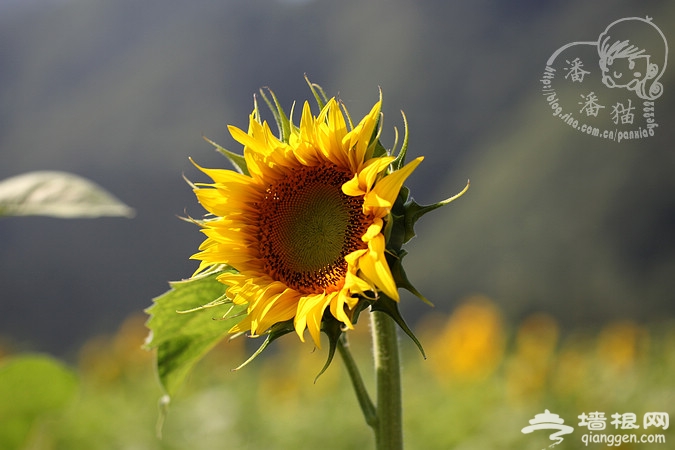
(529, 368)
(108, 358)
(471, 345)
(619, 344)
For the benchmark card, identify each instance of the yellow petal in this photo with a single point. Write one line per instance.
(247, 140)
(356, 285)
(223, 176)
(337, 309)
(278, 308)
(372, 201)
(352, 187)
(364, 180)
(359, 138)
(374, 266)
(309, 314)
(371, 169)
(384, 194)
(373, 230)
(388, 187)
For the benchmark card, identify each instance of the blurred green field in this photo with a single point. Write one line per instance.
(484, 379)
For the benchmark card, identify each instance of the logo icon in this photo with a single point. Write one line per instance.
(608, 87)
(549, 421)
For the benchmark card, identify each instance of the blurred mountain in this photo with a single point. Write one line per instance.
(122, 91)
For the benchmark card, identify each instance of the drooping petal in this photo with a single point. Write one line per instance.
(373, 230)
(374, 266)
(383, 195)
(309, 314)
(364, 180)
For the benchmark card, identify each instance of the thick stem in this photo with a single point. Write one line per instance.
(389, 427)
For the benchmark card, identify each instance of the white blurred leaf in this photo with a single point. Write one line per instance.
(57, 194)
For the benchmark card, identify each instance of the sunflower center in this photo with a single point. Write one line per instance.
(307, 227)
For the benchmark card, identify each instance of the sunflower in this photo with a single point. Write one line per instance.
(302, 224)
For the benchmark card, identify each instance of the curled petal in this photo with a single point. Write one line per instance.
(374, 266)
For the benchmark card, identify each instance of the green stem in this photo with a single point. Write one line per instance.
(389, 427)
(357, 382)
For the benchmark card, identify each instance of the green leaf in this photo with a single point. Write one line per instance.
(182, 339)
(31, 387)
(57, 194)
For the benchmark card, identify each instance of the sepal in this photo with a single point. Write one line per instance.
(275, 332)
(318, 92)
(400, 158)
(401, 278)
(333, 329)
(414, 211)
(280, 117)
(390, 307)
(237, 161)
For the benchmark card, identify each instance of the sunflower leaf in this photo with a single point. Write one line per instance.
(238, 161)
(182, 340)
(57, 194)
